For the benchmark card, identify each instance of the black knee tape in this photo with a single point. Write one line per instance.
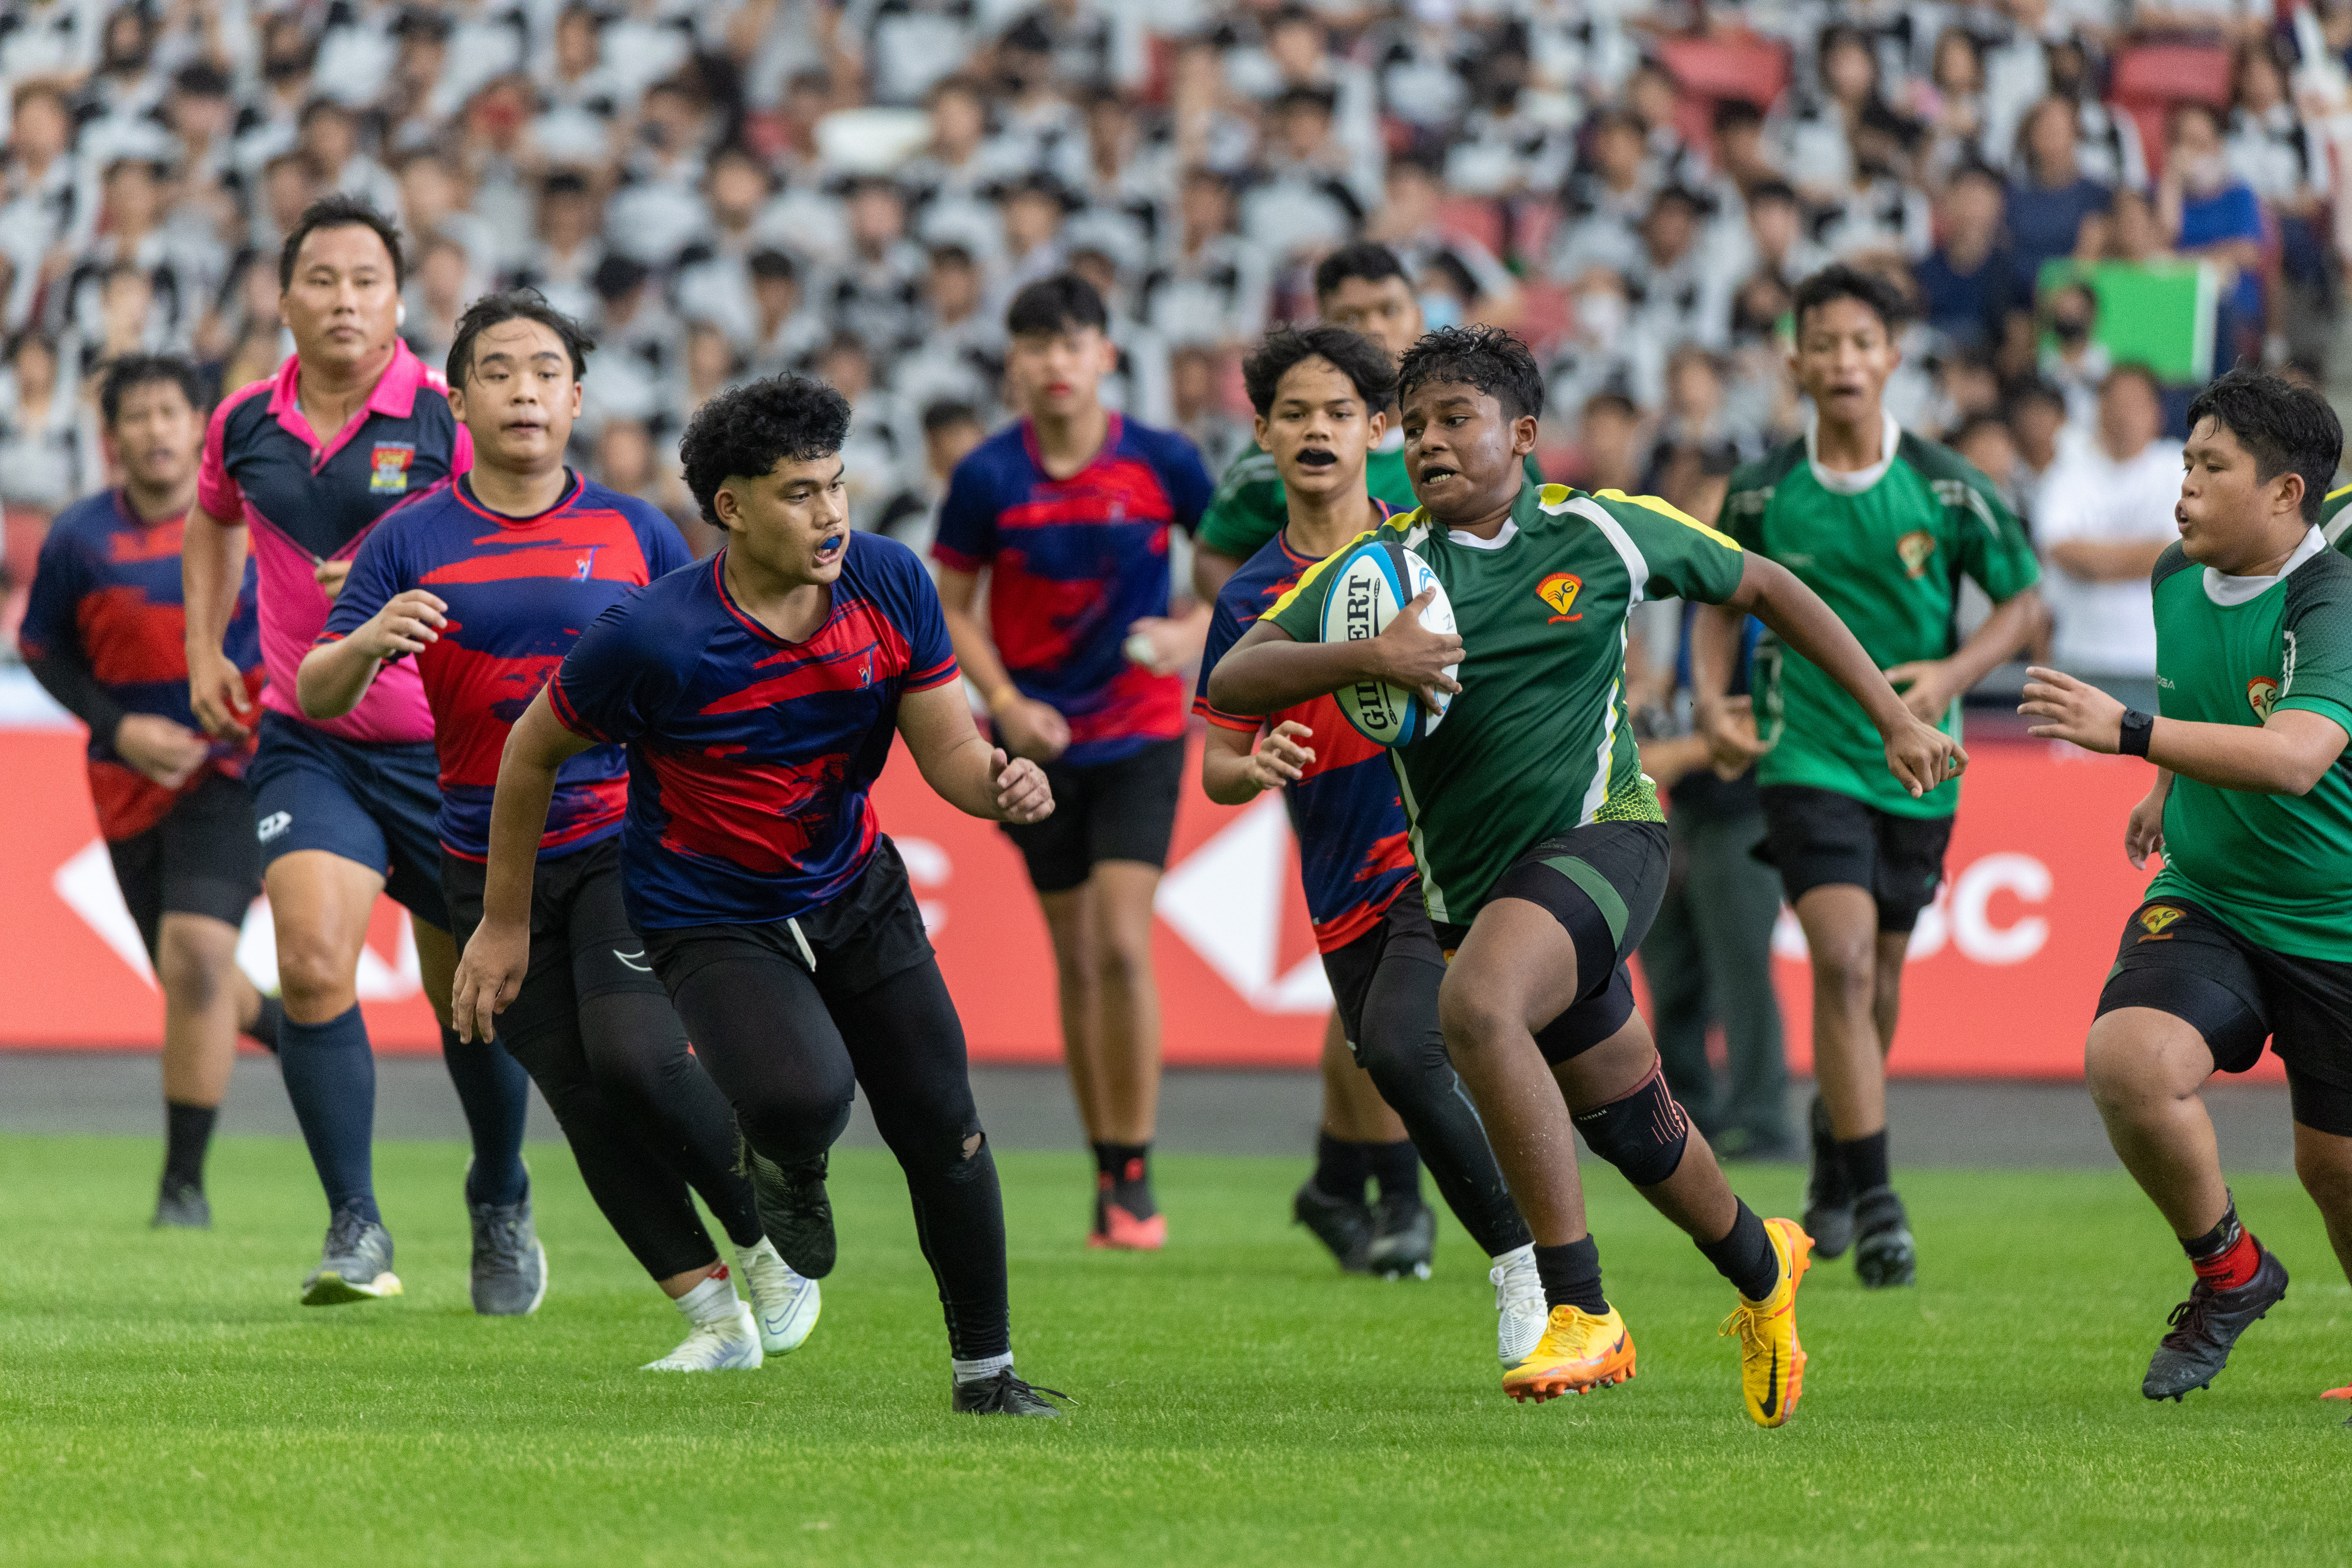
(1642, 1132)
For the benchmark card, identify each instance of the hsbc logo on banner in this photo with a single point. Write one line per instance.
(1962, 917)
(86, 885)
(1226, 899)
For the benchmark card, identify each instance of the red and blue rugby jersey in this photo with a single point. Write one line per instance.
(520, 590)
(106, 596)
(1354, 857)
(751, 757)
(308, 500)
(1073, 564)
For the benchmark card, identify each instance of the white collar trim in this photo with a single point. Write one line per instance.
(2230, 592)
(1859, 480)
(1509, 530)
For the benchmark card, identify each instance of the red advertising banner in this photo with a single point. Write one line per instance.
(2003, 973)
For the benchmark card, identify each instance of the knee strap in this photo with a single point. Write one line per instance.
(1641, 1132)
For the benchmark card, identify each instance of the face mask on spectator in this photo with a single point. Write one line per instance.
(1600, 315)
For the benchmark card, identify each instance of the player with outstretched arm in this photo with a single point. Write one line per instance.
(2246, 933)
(1541, 846)
(758, 694)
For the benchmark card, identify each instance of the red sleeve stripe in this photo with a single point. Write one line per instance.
(324, 638)
(1224, 721)
(938, 675)
(566, 715)
(955, 559)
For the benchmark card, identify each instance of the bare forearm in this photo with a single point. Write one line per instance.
(1225, 777)
(964, 778)
(2095, 561)
(211, 564)
(333, 678)
(2233, 756)
(518, 818)
(2009, 628)
(1715, 634)
(1261, 677)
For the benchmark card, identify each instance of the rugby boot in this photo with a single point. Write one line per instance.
(1520, 1314)
(1883, 1253)
(356, 1265)
(2206, 1326)
(731, 1344)
(795, 1210)
(1577, 1353)
(1127, 1219)
(1345, 1227)
(785, 1303)
(508, 1276)
(181, 1205)
(1002, 1393)
(1772, 1361)
(1829, 1201)
(1404, 1238)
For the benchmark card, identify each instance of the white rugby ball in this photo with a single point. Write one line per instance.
(1370, 582)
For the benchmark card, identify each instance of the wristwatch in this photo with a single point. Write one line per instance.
(2137, 727)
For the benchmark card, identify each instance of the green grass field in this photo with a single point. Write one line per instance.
(163, 1401)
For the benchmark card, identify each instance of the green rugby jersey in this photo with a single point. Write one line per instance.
(1537, 740)
(1884, 548)
(1249, 507)
(2335, 527)
(2233, 650)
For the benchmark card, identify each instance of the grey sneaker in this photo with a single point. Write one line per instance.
(795, 1209)
(2206, 1327)
(355, 1266)
(510, 1275)
(179, 1206)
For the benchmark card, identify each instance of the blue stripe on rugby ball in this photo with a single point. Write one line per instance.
(1369, 585)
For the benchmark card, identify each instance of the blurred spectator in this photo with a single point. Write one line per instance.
(2207, 212)
(1200, 413)
(951, 430)
(2074, 361)
(2037, 419)
(1608, 454)
(2051, 199)
(1409, 225)
(49, 451)
(1966, 282)
(2101, 519)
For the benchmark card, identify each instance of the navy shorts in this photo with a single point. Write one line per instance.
(373, 802)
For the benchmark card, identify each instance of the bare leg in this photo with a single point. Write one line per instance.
(1129, 1016)
(1840, 924)
(2324, 1161)
(1887, 995)
(1068, 922)
(436, 965)
(1515, 972)
(320, 903)
(2145, 1069)
(196, 963)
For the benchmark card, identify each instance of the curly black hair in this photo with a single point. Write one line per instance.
(1488, 358)
(747, 430)
(515, 305)
(1353, 355)
(2284, 426)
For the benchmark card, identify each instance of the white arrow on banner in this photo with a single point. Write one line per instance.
(1225, 901)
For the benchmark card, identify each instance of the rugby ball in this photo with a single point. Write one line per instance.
(1370, 582)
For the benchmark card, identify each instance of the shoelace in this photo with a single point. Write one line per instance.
(1745, 1320)
(345, 1232)
(1006, 1384)
(2188, 1319)
(1499, 1278)
(499, 1232)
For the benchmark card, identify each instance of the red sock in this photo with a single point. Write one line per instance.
(2227, 1256)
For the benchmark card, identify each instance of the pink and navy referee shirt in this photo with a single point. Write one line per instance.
(520, 590)
(307, 501)
(1073, 564)
(751, 757)
(106, 596)
(1354, 856)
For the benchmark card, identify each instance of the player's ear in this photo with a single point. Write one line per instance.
(1260, 429)
(577, 388)
(726, 505)
(1525, 430)
(1376, 426)
(457, 400)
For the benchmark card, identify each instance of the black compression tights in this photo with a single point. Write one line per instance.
(644, 1121)
(1403, 1049)
(789, 1060)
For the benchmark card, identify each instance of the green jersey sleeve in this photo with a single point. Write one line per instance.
(1992, 547)
(1248, 508)
(1685, 559)
(2317, 628)
(2333, 524)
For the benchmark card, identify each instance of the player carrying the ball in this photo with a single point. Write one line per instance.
(2247, 931)
(1541, 846)
(1322, 394)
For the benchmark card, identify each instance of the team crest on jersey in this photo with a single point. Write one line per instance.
(2261, 692)
(1915, 548)
(388, 469)
(1559, 591)
(2156, 918)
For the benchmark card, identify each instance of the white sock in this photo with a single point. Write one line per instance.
(1518, 1257)
(763, 1247)
(985, 1367)
(710, 1304)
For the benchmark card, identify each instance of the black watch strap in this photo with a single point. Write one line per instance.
(2136, 730)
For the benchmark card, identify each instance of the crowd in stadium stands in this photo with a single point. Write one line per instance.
(736, 187)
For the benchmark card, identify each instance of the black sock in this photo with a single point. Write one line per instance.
(262, 1030)
(1571, 1276)
(1396, 1167)
(1863, 1160)
(1129, 1166)
(1745, 1256)
(1342, 1168)
(187, 1134)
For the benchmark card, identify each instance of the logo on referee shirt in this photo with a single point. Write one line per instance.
(388, 467)
(2154, 919)
(1915, 548)
(1559, 591)
(270, 826)
(2261, 692)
